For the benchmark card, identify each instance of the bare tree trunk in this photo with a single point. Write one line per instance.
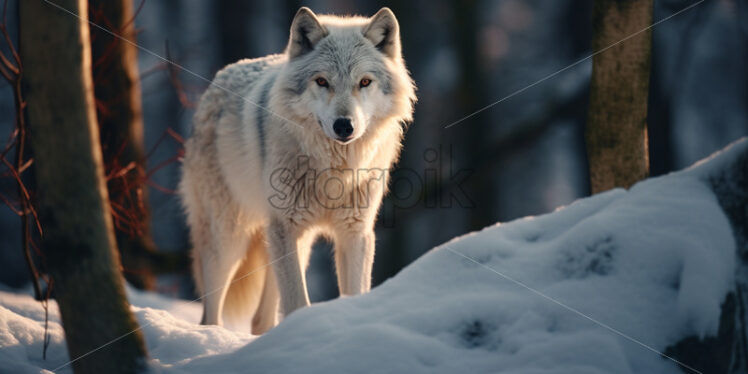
(470, 93)
(78, 239)
(616, 132)
(120, 117)
(233, 34)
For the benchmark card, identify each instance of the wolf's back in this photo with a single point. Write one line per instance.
(230, 88)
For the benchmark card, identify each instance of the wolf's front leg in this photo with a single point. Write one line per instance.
(354, 258)
(284, 254)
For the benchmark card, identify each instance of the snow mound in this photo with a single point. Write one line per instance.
(599, 286)
(594, 287)
(169, 326)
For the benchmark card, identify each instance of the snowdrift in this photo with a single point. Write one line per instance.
(622, 282)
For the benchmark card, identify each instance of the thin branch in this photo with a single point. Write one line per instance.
(176, 83)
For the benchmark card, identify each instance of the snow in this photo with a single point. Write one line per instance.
(170, 328)
(599, 286)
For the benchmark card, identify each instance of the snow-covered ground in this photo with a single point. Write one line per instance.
(599, 286)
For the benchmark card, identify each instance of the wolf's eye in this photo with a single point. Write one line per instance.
(365, 82)
(322, 82)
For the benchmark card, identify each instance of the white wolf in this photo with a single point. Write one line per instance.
(288, 147)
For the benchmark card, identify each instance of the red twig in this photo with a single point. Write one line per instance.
(176, 83)
(134, 15)
(12, 71)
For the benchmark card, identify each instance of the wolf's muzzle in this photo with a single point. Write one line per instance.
(343, 128)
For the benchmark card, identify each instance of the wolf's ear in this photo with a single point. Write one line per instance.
(306, 32)
(384, 32)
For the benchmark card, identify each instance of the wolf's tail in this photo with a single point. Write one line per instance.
(245, 289)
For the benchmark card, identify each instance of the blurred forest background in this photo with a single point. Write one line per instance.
(523, 156)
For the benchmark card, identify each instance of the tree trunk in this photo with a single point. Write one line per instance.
(78, 240)
(120, 117)
(232, 30)
(471, 94)
(616, 132)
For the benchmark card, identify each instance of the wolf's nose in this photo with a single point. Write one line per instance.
(342, 127)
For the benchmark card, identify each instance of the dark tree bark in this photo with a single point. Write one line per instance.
(616, 132)
(232, 30)
(78, 239)
(120, 117)
(471, 94)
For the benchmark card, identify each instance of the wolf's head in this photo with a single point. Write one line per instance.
(346, 75)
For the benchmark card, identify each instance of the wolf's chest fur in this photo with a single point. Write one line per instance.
(309, 192)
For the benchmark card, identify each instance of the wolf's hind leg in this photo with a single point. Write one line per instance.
(266, 316)
(354, 258)
(245, 288)
(219, 263)
(215, 284)
(203, 269)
